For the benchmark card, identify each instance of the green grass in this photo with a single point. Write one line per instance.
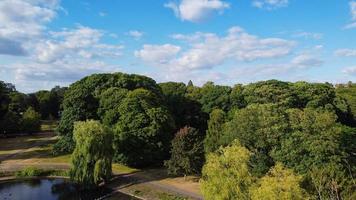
(33, 172)
(120, 169)
(49, 125)
(166, 196)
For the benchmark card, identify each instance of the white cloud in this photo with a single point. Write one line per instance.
(23, 20)
(135, 34)
(160, 54)
(306, 61)
(197, 10)
(103, 14)
(81, 42)
(49, 56)
(353, 9)
(350, 70)
(346, 52)
(308, 35)
(208, 50)
(270, 4)
(353, 16)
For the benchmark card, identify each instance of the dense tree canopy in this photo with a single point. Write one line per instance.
(144, 129)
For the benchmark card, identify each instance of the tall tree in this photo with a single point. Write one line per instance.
(226, 174)
(92, 157)
(144, 129)
(215, 130)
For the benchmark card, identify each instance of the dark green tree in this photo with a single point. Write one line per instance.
(215, 130)
(144, 129)
(187, 153)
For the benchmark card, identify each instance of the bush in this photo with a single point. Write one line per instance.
(29, 172)
(187, 154)
(31, 121)
(92, 156)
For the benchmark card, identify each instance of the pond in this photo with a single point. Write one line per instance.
(50, 189)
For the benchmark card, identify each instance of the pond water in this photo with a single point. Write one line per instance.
(50, 189)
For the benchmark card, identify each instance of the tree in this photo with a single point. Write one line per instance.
(314, 140)
(31, 121)
(215, 130)
(82, 100)
(144, 129)
(109, 103)
(279, 184)
(187, 153)
(226, 174)
(259, 128)
(186, 111)
(92, 156)
(215, 96)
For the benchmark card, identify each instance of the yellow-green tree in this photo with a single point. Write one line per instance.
(92, 156)
(279, 184)
(226, 175)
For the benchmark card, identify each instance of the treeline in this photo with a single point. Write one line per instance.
(265, 140)
(21, 113)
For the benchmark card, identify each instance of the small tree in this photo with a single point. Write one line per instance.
(187, 154)
(215, 130)
(31, 121)
(92, 156)
(226, 174)
(279, 184)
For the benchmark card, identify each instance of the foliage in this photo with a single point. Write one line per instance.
(314, 140)
(215, 96)
(258, 127)
(185, 111)
(215, 130)
(279, 184)
(29, 172)
(31, 121)
(226, 174)
(64, 145)
(109, 103)
(187, 153)
(144, 129)
(82, 98)
(92, 156)
(11, 123)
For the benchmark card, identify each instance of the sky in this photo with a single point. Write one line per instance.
(44, 43)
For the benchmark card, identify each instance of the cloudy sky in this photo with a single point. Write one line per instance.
(44, 43)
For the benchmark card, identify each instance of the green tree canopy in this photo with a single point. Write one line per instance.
(215, 130)
(187, 153)
(31, 121)
(144, 129)
(279, 184)
(92, 156)
(226, 174)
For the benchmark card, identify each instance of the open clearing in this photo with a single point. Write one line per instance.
(36, 150)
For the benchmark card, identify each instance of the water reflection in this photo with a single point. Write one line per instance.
(49, 189)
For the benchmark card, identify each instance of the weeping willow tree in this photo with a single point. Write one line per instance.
(92, 157)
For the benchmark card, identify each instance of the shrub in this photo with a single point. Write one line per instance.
(31, 121)
(187, 154)
(29, 172)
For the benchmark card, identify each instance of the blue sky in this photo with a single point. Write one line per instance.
(44, 43)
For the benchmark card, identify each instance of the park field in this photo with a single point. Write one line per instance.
(18, 153)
